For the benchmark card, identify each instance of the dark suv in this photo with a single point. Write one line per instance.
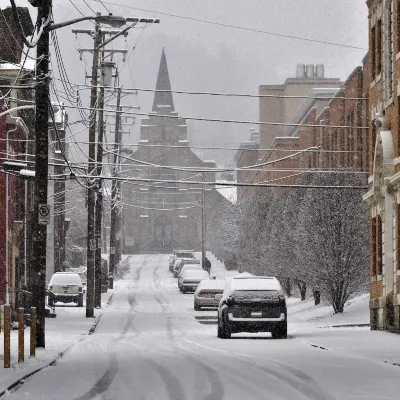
(254, 304)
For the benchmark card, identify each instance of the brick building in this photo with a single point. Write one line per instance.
(383, 196)
(15, 142)
(279, 103)
(309, 141)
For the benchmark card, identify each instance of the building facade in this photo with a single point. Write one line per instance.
(162, 210)
(383, 196)
(279, 103)
(16, 137)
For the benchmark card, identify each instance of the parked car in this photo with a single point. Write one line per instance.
(188, 267)
(204, 296)
(186, 261)
(184, 253)
(179, 254)
(191, 279)
(65, 287)
(171, 262)
(177, 267)
(252, 304)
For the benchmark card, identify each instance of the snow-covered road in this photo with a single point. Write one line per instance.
(151, 344)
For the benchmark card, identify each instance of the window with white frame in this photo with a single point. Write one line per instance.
(389, 59)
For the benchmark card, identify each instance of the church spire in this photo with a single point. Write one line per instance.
(163, 100)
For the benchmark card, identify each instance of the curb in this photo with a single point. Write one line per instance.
(48, 363)
(345, 326)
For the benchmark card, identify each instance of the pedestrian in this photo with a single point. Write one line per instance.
(207, 265)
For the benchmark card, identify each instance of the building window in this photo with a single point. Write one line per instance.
(379, 47)
(379, 253)
(373, 52)
(389, 49)
(373, 246)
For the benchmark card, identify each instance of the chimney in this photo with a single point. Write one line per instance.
(310, 71)
(11, 44)
(301, 71)
(320, 71)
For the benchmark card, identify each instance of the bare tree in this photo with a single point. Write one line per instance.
(332, 238)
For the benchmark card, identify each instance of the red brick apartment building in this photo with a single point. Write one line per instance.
(309, 141)
(15, 141)
(383, 196)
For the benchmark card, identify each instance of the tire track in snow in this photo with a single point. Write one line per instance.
(305, 384)
(217, 390)
(108, 377)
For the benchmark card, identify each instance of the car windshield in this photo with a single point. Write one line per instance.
(185, 255)
(65, 279)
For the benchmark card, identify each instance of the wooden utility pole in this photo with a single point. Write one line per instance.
(114, 192)
(91, 240)
(42, 102)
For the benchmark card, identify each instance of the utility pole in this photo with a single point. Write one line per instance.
(114, 193)
(41, 171)
(99, 204)
(91, 240)
(203, 223)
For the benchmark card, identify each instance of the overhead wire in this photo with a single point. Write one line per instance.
(232, 94)
(242, 28)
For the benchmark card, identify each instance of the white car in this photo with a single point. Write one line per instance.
(204, 296)
(65, 287)
(188, 267)
(191, 279)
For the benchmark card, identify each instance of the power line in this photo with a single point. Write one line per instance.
(230, 94)
(223, 184)
(229, 121)
(222, 25)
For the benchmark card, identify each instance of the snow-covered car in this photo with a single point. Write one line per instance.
(204, 296)
(191, 279)
(254, 304)
(65, 287)
(188, 267)
(177, 267)
(171, 262)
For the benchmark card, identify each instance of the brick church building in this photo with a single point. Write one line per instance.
(160, 212)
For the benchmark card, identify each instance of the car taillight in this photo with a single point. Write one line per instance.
(80, 289)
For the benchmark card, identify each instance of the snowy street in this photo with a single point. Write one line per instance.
(151, 344)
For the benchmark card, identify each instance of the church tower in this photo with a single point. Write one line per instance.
(163, 212)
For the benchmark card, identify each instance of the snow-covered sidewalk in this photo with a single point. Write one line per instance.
(68, 328)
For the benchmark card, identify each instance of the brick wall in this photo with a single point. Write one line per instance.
(11, 44)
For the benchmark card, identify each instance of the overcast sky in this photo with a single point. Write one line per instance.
(205, 57)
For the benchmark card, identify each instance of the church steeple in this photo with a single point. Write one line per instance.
(163, 100)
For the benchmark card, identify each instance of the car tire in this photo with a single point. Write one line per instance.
(280, 332)
(197, 308)
(183, 290)
(223, 331)
(80, 302)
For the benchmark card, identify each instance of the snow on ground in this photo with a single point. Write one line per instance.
(151, 344)
(69, 327)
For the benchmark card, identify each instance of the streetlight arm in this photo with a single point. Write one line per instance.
(112, 20)
(53, 27)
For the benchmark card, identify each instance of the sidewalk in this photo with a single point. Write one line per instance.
(70, 326)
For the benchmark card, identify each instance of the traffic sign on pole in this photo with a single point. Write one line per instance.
(44, 214)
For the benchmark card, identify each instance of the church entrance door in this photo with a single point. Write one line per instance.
(163, 231)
